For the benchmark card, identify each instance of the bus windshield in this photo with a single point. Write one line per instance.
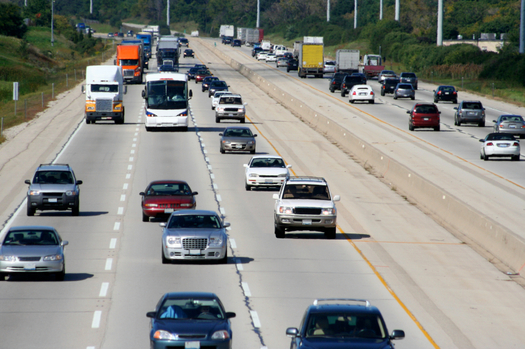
(167, 94)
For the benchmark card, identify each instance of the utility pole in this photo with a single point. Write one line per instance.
(52, 25)
(355, 14)
(168, 14)
(522, 27)
(91, 6)
(258, 13)
(397, 10)
(440, 23)
(328, 10)
(380, 10)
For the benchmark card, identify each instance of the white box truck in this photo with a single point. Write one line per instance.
(347, 61)
(226, 30)
(104, 91)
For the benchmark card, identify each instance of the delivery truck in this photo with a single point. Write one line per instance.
(129, 57)
(347, 61)
(104, 90)
(226, 30)
(311, 56)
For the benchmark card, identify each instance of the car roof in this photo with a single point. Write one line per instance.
(194, 213)
(190, 295)
(233, 95)
(266, 157)
(168, 181)
(31, 227)
(54, 167)
(306, 180)
(337, 305)
(237, 128)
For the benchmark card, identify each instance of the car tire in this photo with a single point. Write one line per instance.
(222, 151)
(435, 101)
(279, 232)
(330, 233)
(61, 275)
(455, 101)
(412, 98)
(481, 156)
(2, 276)
(217, 120)
(382, 93)
(371, 101)
(481, 124)
(75, 211)
(247, 187)
(88, 121)
(516, 158)
(203, 90)
(224, 260)
(148, 129)
(458, 122)
(395, 97)
(30, 210)
(437, 128)
(351, 101)
(486, 157)
(252, 151)
(410, 127)
(243, 120)
(343, 94)
(164, 259)
(145, 218)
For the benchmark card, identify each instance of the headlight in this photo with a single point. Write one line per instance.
(161, 334)
(215, 241)
(174, 241)
(220, 335)
(8, 258)
(285, 210)
(71, 193)
(253, 175)
(151, 205)
(226, 142)
(328, 211)
(240, 110)
(282, 175)
(34, 192)
(251, 142)
(54, 257)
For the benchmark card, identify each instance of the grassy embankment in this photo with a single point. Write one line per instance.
(37, 66)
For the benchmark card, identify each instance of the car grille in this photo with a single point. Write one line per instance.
(192, 336)
(29, 259)
(194, 243)
(182, 345)
(268, 176)
(231, 109)
(128, 72)
(169, 205)
(53, 195)
(104, 105)
(307, 210)
(238, 146)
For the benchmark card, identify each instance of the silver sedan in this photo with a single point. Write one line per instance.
(404, 90)
(194, 235)
(512, 124)
(32, 249)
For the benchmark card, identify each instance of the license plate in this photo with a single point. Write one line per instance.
(362, 93)
(192, 345)
(168, 210)
(106, 118)
(30, 266)
(230, 114)
(52, 200)
(447, 93)
(307, 222)
(238, 146)
(195, 253)
(426, 119)
(512, 126)
(268, 181)
(504, 145)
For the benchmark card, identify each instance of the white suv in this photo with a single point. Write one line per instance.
(305, 203)
(230, 107)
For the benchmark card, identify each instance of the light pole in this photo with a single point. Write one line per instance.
(168, 14)
(328, 10)
(91, 6)
(355, 14)
(52, 26)
(440, 24)
(258, 12)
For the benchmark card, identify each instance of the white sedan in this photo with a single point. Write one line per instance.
(266, 171)
(271, 57)
(215, 98)
(362, 93)
(261, 55)
(498, 145)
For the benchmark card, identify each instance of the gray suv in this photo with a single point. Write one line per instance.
(305, 203)
(470, 112)
(54, 187)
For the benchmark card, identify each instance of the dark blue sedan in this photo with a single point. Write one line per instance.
(190, 320)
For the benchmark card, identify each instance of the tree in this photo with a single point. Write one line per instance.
(11, 23)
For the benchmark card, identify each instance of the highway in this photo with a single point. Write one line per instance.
(425, 280)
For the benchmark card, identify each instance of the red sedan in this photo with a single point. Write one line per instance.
(200, 75)
(163, 197)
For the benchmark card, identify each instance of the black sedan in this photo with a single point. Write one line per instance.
(190, 320)
(189, 53)
(446, 93)
(293, 64)
(217, 85)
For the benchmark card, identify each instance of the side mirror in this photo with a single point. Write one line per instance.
(142, 193)
(191, 93)
(408, 111)
(79, 182)
(494, 121)
(456, 108)
(275, 196)
(255, 135)
(151, 314)
(195, 193)
(292, 332)
(125, 89)
(83, 88)
(397, 334)
(27, 181)
(220, 134)
(163, 224)
(143, 94)
(226, 224)
(337, 198)
(482, 140)
(64, 243)
(230, 314)
(288, 166)
(245, 165)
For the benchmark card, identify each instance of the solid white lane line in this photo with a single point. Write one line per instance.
(109, 263)
(232, 243)
(112, 243)
(104, 289)
(120, 211)
(255, 319)
(125, 186)
(123, 197)
(246, 289)
(116, 226)
(96, 319)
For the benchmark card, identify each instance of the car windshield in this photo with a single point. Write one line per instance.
(238, 132)
(129, 62)
(104, 88)
(268, 162)
(196, 309)
(500, 136)
(306, 191)
(408, 75)
(345, 325)
(53, 177)
(512, 118)
(194, 221)
(230, 100)
(30, 237)
(393, 82)
(167, 94)
(164, 189)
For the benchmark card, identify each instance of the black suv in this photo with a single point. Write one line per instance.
(54, 187)
(446, 93)
(292, 65)
(342, 323)
(336, 81)
(409, 78)
(389, 86)
(350, 81)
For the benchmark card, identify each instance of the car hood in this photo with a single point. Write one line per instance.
(239, 139)
(307, 203)
(190, 326)
(52, 187)
(267, 170)
(341, 343)
(30, 250)
(194, 232)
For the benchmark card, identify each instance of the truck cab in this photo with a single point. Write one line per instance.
(104, 91)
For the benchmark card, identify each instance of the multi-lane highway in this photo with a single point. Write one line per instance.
(425, 280)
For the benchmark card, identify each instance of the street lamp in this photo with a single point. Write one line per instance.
(52, 26)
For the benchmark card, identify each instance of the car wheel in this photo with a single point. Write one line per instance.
(410, 127)
(481, 124)
(164, 259)
(351, 101)
(329, 233)
(247, 187)
(145, 218)
(382, 93)
(252, 151)
(224, 260)
(332, 90)
(119, 121)
(371, 101)
(203, 90)
(458, 122)
(412, 98)
(279, 233)
(2, 276)
(87, 121)
(30, 210)
(222, 151)
(217, 120)
(148, 129)
(455, 101)
(343, 94)
(516, 158)
(437, 128)
(435, 100)
(76, 210)
(395, 97)
(243, 120)
(486, 157)
(61, 275)
(481, 156)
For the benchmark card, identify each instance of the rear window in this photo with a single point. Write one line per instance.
(408, 75)
(405, 86)
(353, 79)
(472, 105)
(426, 109)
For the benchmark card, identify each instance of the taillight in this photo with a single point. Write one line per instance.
(516, 144)
(454, 92)
(439, 92)
(489, 144)
(354, 93)
(371, 93)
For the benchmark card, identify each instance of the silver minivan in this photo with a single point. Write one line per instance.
(470, 112)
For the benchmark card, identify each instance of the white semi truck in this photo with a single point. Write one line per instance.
(104, 91)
